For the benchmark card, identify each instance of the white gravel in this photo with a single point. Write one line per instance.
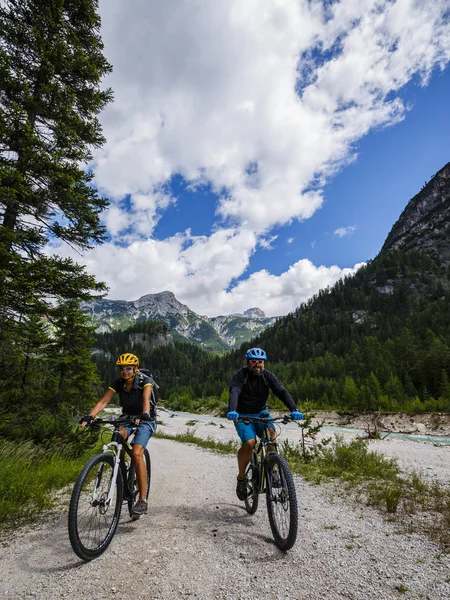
(198, 542)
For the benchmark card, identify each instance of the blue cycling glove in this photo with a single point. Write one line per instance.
(297, 415)
(232, 415)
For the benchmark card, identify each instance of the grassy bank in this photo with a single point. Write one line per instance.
(189, 437)
(30, 476)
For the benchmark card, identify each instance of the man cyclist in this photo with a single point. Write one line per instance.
(249, 391)
(135, 394)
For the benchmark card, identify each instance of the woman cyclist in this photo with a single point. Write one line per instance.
(135, 393)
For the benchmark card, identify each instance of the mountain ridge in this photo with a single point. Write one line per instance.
(213, 333)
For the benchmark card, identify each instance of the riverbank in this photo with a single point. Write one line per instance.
(425, 424)
(429, 460)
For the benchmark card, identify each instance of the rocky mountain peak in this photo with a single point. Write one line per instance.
(217, 333)
(255, 313)
(425, 223)
(161, 303)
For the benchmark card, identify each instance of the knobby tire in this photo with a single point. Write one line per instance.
(281, 503)
(92, 522)
(252, 476)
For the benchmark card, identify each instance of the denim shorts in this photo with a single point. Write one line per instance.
(143, 432)
(249, 431)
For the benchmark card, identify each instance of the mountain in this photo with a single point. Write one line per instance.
(424, 225)
(379, 339)
(217, 333)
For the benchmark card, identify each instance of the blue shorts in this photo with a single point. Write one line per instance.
(249, 431)
(143, 432)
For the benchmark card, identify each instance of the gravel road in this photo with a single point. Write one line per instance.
(198, 542)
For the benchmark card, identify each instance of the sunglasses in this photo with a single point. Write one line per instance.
(126, 368)
(256, 362)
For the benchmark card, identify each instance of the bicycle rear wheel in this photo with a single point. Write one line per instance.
(281, 501)
(252, 476)
(92, 519)
(133, 484)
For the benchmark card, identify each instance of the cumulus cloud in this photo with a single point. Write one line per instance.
(199, 271)
(264, 102)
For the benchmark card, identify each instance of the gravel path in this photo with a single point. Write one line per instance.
(198, 542)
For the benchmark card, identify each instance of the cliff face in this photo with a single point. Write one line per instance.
(425, 223)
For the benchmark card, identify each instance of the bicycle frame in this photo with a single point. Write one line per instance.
(115, 447)
(260, 451)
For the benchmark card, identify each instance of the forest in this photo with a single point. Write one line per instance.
(51, 68)
(377, 340)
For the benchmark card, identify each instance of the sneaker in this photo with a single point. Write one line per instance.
(276, 479)
(139, 509)
(241, 489)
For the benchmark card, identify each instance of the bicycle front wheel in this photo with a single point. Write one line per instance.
(281, 501)
(133, 484)
(252, 476)
(95, 507)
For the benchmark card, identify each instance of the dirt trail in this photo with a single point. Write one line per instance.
(198, 542)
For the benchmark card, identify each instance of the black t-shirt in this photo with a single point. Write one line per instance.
(249, 392)
(131, 401)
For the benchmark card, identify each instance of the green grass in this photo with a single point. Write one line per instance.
(351, 462)
(30, 476)
(189, 437)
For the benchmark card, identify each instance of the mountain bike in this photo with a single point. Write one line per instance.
(269, 472)
(106, 482)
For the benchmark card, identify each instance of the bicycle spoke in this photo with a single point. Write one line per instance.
(92, 519)
(252, 476)
(281, 502)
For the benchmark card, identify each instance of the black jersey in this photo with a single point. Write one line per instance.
(131, 401)
(249, 392)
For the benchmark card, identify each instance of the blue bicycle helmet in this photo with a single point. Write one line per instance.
(256, 354)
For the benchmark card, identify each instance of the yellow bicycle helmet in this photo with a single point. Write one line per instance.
(127, 359)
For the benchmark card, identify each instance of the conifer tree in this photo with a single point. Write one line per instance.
(51, 66)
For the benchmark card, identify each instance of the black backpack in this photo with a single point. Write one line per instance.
(155, 386)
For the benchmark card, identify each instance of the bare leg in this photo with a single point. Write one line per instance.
(141, 470)
(245, 456)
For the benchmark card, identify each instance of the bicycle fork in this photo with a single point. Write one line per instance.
(116, 454)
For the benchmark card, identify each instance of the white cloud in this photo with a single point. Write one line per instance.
(262, 100)
(207, 88)
(344, 231)
(199, 271)
(267, 242)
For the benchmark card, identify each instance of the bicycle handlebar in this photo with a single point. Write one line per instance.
(115, 421)
(285, 419)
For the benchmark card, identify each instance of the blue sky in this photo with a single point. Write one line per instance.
(259, 151)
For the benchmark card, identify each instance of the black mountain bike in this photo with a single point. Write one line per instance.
(106, 481)
(269, 472)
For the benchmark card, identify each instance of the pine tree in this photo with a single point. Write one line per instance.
(51, 65)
